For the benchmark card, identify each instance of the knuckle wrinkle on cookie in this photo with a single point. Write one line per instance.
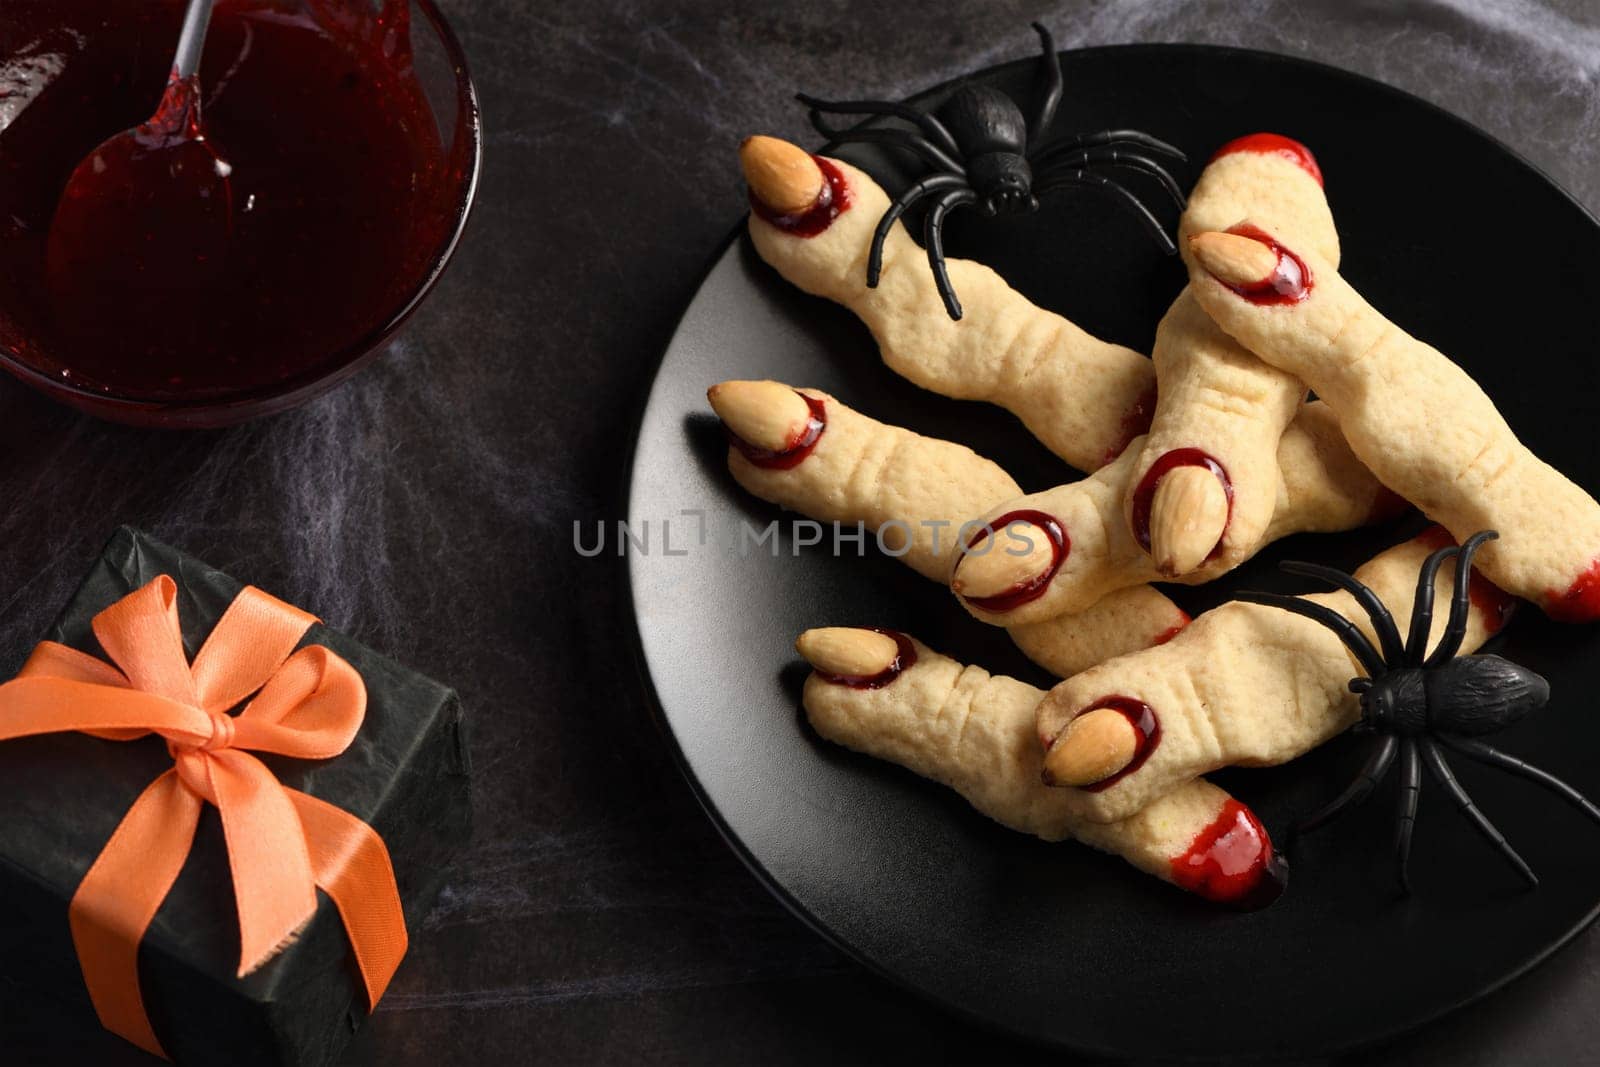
(975, 732)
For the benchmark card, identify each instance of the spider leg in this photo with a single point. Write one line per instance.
(1382, 622)
(913, 193)
(1372, 772)
(914, 143)
(929, 124)
(1441, 771)
(1460, 601)
(1050, 66)
(1477, 750)
(933, 240)
(1348, 632)
(1117, 157)
(1106, 137)
(1422, 610)
(1096, 181)
(1410, 789)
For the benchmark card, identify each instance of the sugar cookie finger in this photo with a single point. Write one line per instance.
(813, 220)
(805, 450)
(892, 697)
(1414, 417)
(1244, 684)
(1064, 549)
(1204, 489)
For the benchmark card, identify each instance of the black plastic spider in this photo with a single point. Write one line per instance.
(986, 154)
(1417, 702)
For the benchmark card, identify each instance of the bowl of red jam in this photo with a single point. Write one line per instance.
(352, 134)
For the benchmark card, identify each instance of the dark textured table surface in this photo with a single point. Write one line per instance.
(427, 508)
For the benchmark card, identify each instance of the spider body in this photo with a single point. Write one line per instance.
(987, 154)
(989, 129)
(1419, 703)
(1469, 696)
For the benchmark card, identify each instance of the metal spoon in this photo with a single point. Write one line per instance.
(151, 207)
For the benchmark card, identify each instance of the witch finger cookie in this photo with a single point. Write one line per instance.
(1415, 418)
(814, 218)
(808, 451)
(1204, 489)
(1250, 684)
(890, 696)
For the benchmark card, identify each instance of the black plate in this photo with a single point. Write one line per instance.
(1446, 230)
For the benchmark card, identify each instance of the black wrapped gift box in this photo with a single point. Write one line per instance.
(61, 796)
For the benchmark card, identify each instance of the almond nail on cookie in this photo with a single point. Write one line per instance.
(806, 451)
(1205, 486)
(1245, 684)
(889, 696)
(813, 219)
(1058, 552)
(1414, 417)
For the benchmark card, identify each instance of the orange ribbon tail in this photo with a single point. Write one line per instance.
(282, 844)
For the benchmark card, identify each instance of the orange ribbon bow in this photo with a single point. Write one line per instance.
(282, 844)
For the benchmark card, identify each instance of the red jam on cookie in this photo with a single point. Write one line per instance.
(1144, 493)
(1274, 144)
(1134, 423)
(1288, 283)
(905, 658)
(1493, 603)
(834, 200)
(1580, 602)
(1232, 861)
(1032, 589)
(796, 450)
(1145, 724)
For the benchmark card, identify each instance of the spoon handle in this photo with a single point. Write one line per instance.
(192, 41)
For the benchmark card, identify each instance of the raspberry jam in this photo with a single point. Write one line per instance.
(341, 193)
(1274, 144)
(833, 201)
(1144, 722)
(1493, 603)
(1580, 602)
(1144, 494)
(1290, 280)
(1032, 589)
(1232, 861)
(793, 453)
(905, 658)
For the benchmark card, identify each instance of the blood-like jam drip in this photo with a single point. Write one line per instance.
(905, 657)
(799, 447)
(342, 192)
(830, 203)
(1144, 722)
(1144, 493)
(1274, 144)
(1290, 279)
(1581, 600)
(1135, 421)
(1493, 603)
(1033, 588)
(1173, 631)
(1232, 861)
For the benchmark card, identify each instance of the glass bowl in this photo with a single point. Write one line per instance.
(441, 68)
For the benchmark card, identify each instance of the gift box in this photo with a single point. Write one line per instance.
(403, 776)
